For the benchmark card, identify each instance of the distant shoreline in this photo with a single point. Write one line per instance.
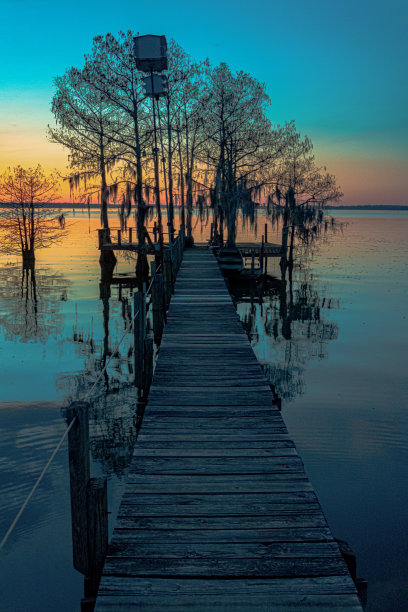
(78, 206)
(368, 207)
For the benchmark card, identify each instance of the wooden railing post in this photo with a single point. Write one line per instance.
(130, 234)
(175, 259)
(157, 302)
(148, 364)
(119, 237)
(261, 256)
(180, 250)
(78, 452)
(167, 273)
(139, 331)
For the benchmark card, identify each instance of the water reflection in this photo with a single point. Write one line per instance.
(106, 379)
(288, 323)
(30, 302)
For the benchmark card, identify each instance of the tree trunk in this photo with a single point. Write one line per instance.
(189, 195)
(28, 257)
(291, 246)
(170, 174)
(142, 266)
(183, 215)
(285, 231)
(32, 227)
(107, 257)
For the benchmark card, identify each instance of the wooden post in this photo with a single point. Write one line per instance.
(119, 237)
(157, 256)
(148, 364)
(261, 257)
(172, 259)
(78, 452)
(180, 238)
(212, 233)
(253, 264)
(176, 256)
(155, 231)
(97, 512)
(130, 234)
(157, 303)
(266, 233)
(167, 273)
(100, 238)
(139, 327)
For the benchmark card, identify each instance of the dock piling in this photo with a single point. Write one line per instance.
(97, 514)
(78, 452)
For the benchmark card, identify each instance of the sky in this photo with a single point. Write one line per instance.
(337, 68)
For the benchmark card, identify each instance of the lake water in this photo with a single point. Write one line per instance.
(333, 343)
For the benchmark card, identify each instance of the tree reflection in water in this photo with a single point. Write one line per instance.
(107, 378)
(288, 325)
(30, 303)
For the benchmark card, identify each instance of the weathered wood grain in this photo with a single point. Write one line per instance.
(128, 545)
(227, 568)
(219, 536)
(222, 523)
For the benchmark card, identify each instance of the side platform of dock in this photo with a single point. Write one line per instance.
(217, 513)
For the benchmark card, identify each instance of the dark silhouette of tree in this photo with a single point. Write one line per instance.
(186, 111)
(241, 142)
(85, 124)
(301, 192)
(27, 221)
(219, 145)
(110, 70)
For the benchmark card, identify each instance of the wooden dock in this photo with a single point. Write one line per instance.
(217, 513)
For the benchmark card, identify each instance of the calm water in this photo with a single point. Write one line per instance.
(333, 343)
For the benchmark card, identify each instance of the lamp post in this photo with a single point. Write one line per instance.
(151, 56)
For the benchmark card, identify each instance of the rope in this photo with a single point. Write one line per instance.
(39, 479)
(66, 432)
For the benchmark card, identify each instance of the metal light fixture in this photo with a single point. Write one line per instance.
(156, 85)
(150, 53)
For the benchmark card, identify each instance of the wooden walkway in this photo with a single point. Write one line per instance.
(218, 513)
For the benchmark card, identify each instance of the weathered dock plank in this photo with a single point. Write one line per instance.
(218, 513)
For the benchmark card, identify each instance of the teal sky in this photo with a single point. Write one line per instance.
(338, 69)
